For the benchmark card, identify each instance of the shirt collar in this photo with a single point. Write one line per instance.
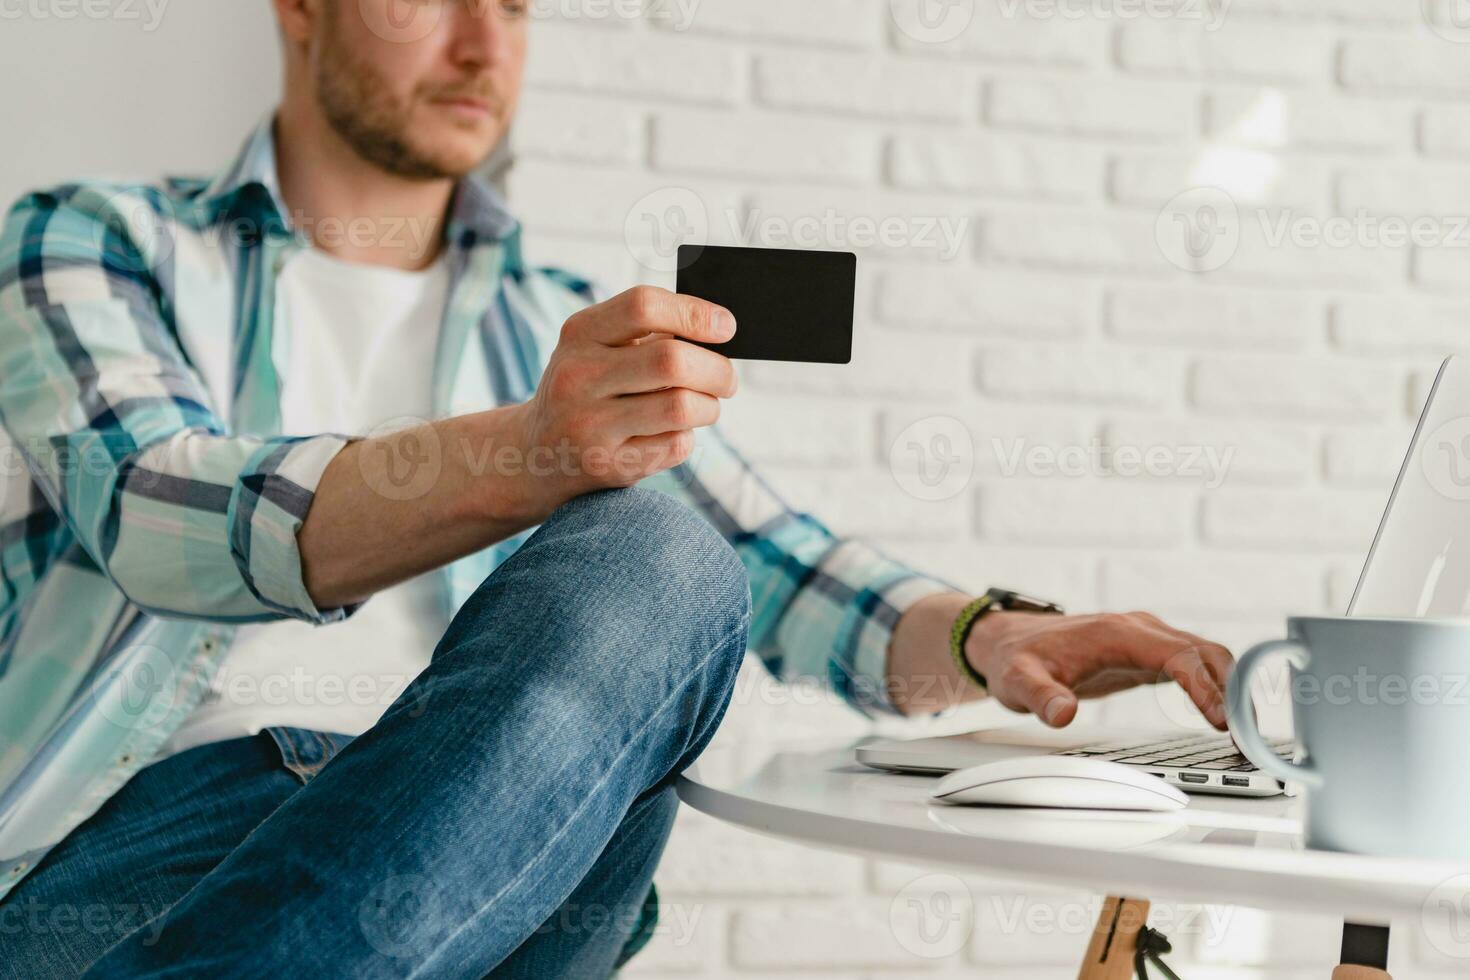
(478, 212)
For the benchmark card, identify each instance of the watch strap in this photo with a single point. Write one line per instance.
(964, 625)
(959, 635)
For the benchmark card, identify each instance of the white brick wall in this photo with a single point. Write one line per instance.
(1046, 135)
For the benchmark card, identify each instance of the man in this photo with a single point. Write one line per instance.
(482, 723)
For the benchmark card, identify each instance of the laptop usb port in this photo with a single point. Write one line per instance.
(1193, 777)
(1235, 780)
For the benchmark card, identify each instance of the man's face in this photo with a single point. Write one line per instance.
(424, 89)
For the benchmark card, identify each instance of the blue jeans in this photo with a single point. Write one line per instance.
(502, 819)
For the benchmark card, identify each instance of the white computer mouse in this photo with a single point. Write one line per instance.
(1058, 781)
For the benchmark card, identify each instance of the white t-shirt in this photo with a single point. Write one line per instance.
(361, 352)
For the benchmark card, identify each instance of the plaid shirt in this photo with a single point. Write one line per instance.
(150, 503)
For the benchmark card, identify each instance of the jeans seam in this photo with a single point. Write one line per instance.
(739, 632)
(290, 757)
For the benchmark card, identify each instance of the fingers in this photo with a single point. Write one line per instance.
(675, 410)
(1201, 668)
(1188, 668)
(645, 310)
(1027, 685)
(669, 363)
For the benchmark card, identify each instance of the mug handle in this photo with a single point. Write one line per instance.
(1240, 711)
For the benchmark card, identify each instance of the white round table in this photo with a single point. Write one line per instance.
(1222, 850)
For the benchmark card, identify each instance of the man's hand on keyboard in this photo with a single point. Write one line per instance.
(1044, 663)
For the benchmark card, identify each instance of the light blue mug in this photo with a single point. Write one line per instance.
(1381, 709)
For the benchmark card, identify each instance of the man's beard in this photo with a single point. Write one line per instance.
(365, 115)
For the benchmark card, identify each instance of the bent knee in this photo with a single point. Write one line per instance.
(658, 546)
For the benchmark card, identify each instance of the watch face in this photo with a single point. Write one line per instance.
(1022, 603)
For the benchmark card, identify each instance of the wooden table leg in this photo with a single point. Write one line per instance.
(1364, 953)
(1115, 939)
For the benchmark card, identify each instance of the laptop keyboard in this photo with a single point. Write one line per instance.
(1206, 751)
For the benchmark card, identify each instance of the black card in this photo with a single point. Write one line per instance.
(789, 304)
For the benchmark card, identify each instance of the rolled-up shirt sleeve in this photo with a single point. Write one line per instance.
(118, 432)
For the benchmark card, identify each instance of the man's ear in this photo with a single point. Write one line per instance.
(298, 19)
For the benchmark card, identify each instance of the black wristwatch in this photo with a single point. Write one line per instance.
(1002, 599)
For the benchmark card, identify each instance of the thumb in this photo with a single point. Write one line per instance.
(1041, 693)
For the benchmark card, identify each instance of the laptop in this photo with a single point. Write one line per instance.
(1417, 566)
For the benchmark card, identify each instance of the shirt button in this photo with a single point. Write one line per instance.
(125, 760)
(16, 871)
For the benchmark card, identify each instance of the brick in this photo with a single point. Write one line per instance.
(1400, 325)
(1279, 940)
(553, 126)
(1075, 241)
(1214, 585)
(1189, 48)
(1213, 317)
(845, 23)
(1294, 248)
(984, 302)
(800, 432)
(1275, 119)
(862, 86)
(1422, 64)
(1212, 451)
(1296, 387)
(1421, 380)
(901, 365)
(1368, 458)
(1041, 929)
(597, 201)
(1001, 32)
(1092, 108)
(1371, 12)
(764, 146)
(1016, 169)
(1062, 574)
(870, 221)
(1411, 195)
(1102, 376)
(709, 858)
(868, 505)
(1113, 513)
(1338, 520)
(1446, 268)
(608, 264)
(995, 439)
(1151, 177)
(826, 937)
(1444, 131)
(633, 63)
